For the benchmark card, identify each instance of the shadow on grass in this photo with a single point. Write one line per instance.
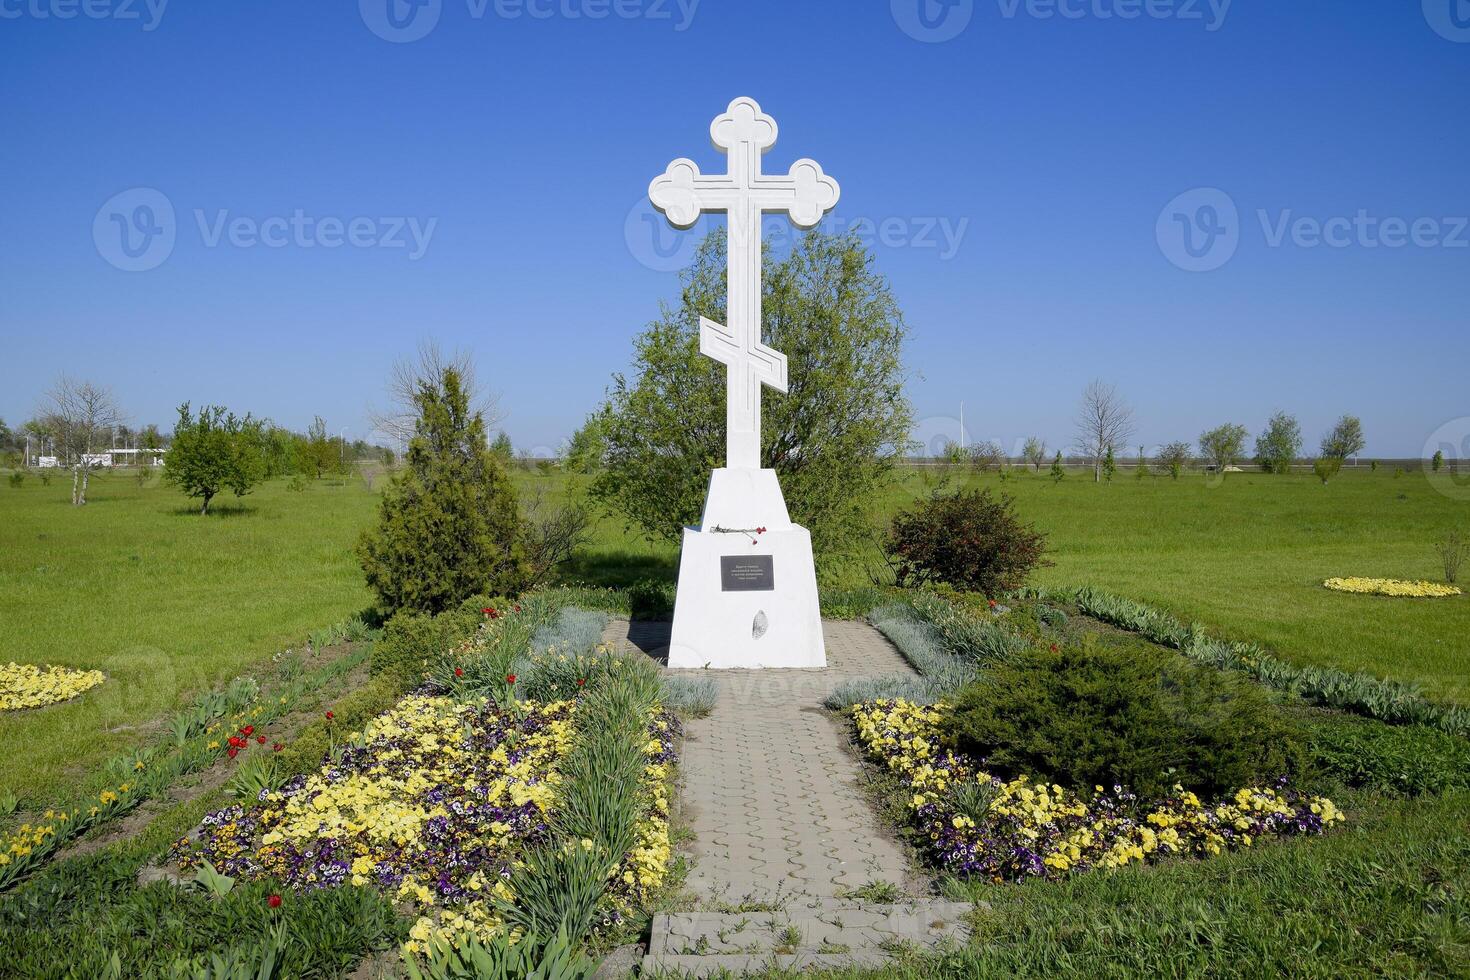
(618, 569)
(215, 510)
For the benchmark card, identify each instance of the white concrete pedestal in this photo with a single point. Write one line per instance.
(777, 622)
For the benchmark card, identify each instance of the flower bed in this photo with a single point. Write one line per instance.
(32, 686)
(979, 824)
(1391, 587)
(433, 803)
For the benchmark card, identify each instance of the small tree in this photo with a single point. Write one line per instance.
(1109, 465)
(1104, 420)
(1034, 451)
(1057, 473)
(77, 416)
(503, 447)
(448, 526)
(985, 456)
(967, 539)
(1437, 463)
(1326, 467)
(1222, 445)
(1174, 457)
(1279, 444)
(588, 446)
(1141, 470)
(318, 453)
(1345, 439)
(953, 454)
(1453, 549)
(213, 451)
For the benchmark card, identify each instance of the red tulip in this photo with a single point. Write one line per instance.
(260, 739)
(274, 901)
(510, 678)
(487, 610)
(277, 747)
(248, 730)
(233, 752)
(1053, 648)
(459, 672)
(581, 681)
(518, 607)
(330, 716)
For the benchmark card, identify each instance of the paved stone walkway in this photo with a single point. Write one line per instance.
(769, 785)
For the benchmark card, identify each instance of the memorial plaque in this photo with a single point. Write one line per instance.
(747, 573)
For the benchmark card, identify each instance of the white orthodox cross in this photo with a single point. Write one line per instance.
(682, 193)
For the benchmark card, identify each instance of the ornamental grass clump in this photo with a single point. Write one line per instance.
(1138, 716)
(976, 823)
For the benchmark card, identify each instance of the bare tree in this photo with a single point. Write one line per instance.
(1103, 422)
(551, 533)
(987, 455)
(80, 416)
(398, 420)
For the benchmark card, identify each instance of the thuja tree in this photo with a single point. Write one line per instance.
(833, 438)
(214, 451)
(448, 526)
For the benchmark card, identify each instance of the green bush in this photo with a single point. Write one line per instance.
(1137, 716)
(1412, 760)
(968, 539)
(448, 525)
(651, 599)
(410, 639)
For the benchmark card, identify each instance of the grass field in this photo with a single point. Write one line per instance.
(165, 602)
(168, 604)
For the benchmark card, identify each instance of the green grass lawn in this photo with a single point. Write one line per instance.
(1248, 556)
(165, 602)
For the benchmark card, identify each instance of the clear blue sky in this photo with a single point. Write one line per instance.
(1053, 143)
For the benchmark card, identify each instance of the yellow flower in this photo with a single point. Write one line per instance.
(1391, 587)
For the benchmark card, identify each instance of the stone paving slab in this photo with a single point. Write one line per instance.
(770, 789)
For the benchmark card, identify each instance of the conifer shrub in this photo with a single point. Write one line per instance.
(448, 525)
(1137, 716)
